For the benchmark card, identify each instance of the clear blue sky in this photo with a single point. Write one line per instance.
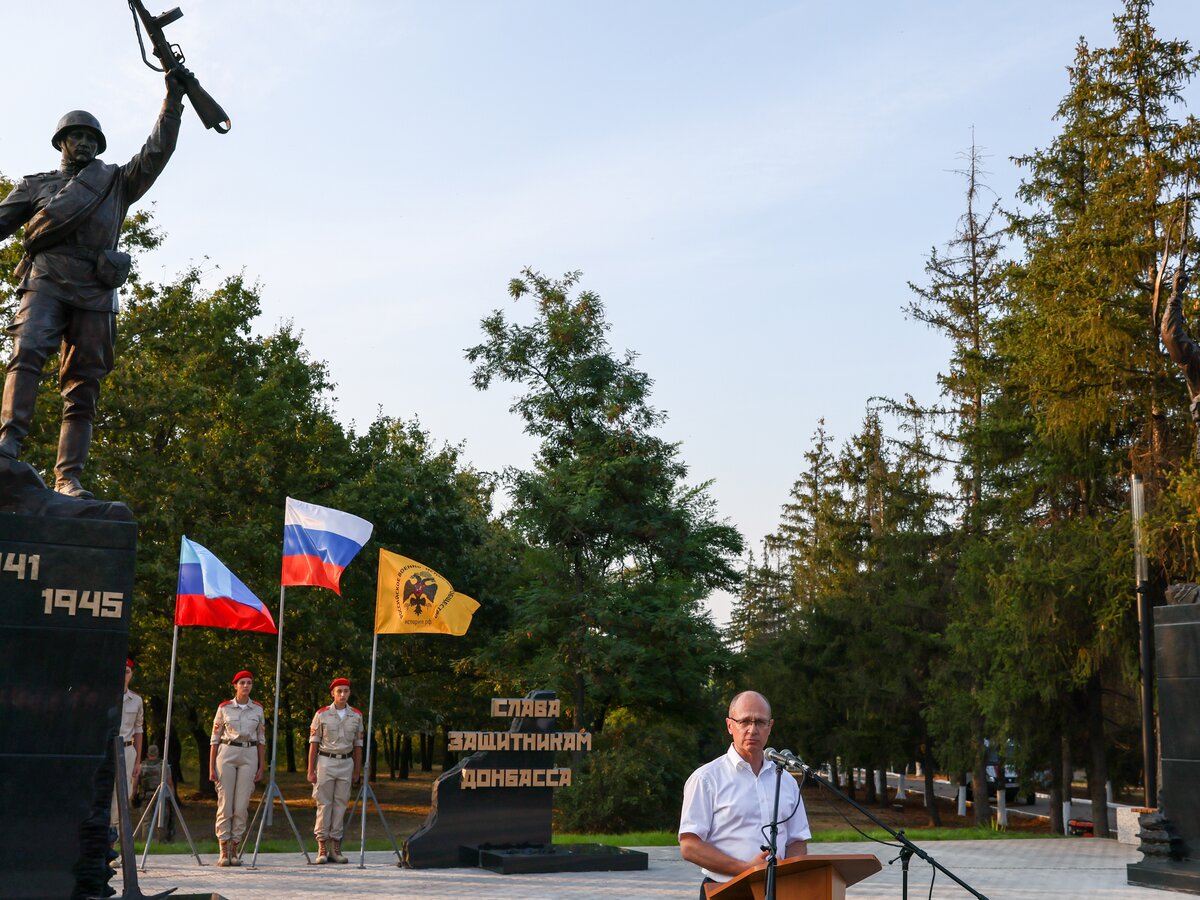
(749, 186)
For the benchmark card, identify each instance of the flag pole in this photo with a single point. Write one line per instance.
(366, 769)
(267, 804)
(275, 717)
(156, 820)
(166, 750)
(165, 791)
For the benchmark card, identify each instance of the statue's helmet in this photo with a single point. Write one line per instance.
(79, 118)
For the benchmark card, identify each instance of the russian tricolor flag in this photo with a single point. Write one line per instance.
(318, 543)
(209, 594)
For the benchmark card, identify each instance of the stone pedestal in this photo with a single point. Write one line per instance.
(1177, 643)
(66, 588)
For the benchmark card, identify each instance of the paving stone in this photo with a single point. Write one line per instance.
(1000, 870)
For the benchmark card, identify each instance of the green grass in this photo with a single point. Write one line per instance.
(209, 846)
(844, 836)
(921, 835)
(629, 839)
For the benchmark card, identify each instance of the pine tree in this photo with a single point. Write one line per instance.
(1084, 354)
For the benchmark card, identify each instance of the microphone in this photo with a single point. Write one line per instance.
(784, 758)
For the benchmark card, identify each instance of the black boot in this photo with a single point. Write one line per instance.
(74, 439)
(16, 411)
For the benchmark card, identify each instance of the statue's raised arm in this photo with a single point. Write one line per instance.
(70, 274)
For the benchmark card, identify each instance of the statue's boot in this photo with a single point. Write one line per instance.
(16, 411)
(74, 440)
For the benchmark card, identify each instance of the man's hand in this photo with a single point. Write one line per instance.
(702, 853)
(213, 777)
(175, 84)
(356, 777)
(137, 771)
(258, 775)
(312, 776)
(1180, 282)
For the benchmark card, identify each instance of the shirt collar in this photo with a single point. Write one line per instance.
(735, 760)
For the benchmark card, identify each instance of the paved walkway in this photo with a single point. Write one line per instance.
(1000, 870)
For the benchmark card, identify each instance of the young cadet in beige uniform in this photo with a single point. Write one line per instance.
(335, 743)
(236, 757)
(133, 716)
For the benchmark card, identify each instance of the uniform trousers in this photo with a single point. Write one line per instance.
(130, 759)
(235, 769)
(332, 796)
(87, 338)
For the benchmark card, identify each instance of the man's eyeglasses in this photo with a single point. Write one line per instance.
(747, 723)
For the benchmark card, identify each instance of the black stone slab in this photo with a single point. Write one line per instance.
(1169, 876)
(64, 662)
(1181, 800)
(556, 858)
(1177, 658)
(460, 817)
(1177, 638)
(1178, 719)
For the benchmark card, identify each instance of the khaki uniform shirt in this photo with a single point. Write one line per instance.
(133, 715)
(336, 734)
(239, 723)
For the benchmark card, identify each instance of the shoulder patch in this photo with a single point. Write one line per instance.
(256, 703)
(226, 703)
(322, 709)
(357, 710)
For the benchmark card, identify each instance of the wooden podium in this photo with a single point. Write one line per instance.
(801, 878)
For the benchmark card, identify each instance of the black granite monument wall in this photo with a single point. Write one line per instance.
(66, 588)
(1177, 643)
(460, 817)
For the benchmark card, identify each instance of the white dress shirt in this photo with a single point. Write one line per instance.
(728, 806)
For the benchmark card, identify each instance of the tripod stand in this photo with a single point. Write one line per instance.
(367, 793)
(132, 890)
(166, 787)
(163, 793)
(907, 848)
(266, 804)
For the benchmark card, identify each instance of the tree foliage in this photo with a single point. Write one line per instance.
(620, 550)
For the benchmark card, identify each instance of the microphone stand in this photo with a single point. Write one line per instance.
(907, 848)
(773, 840)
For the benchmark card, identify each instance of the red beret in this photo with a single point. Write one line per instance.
(242, 674)
(339, 682)
(128, 663)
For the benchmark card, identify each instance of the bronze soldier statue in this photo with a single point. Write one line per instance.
(1182, 349)
(70, 274)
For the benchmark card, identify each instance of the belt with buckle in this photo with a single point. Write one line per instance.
(129, 743)
(240, 743)
(335, 755)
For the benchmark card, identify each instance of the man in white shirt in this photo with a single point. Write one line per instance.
(727, 803)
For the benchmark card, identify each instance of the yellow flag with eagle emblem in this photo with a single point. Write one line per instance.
(412, 598)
